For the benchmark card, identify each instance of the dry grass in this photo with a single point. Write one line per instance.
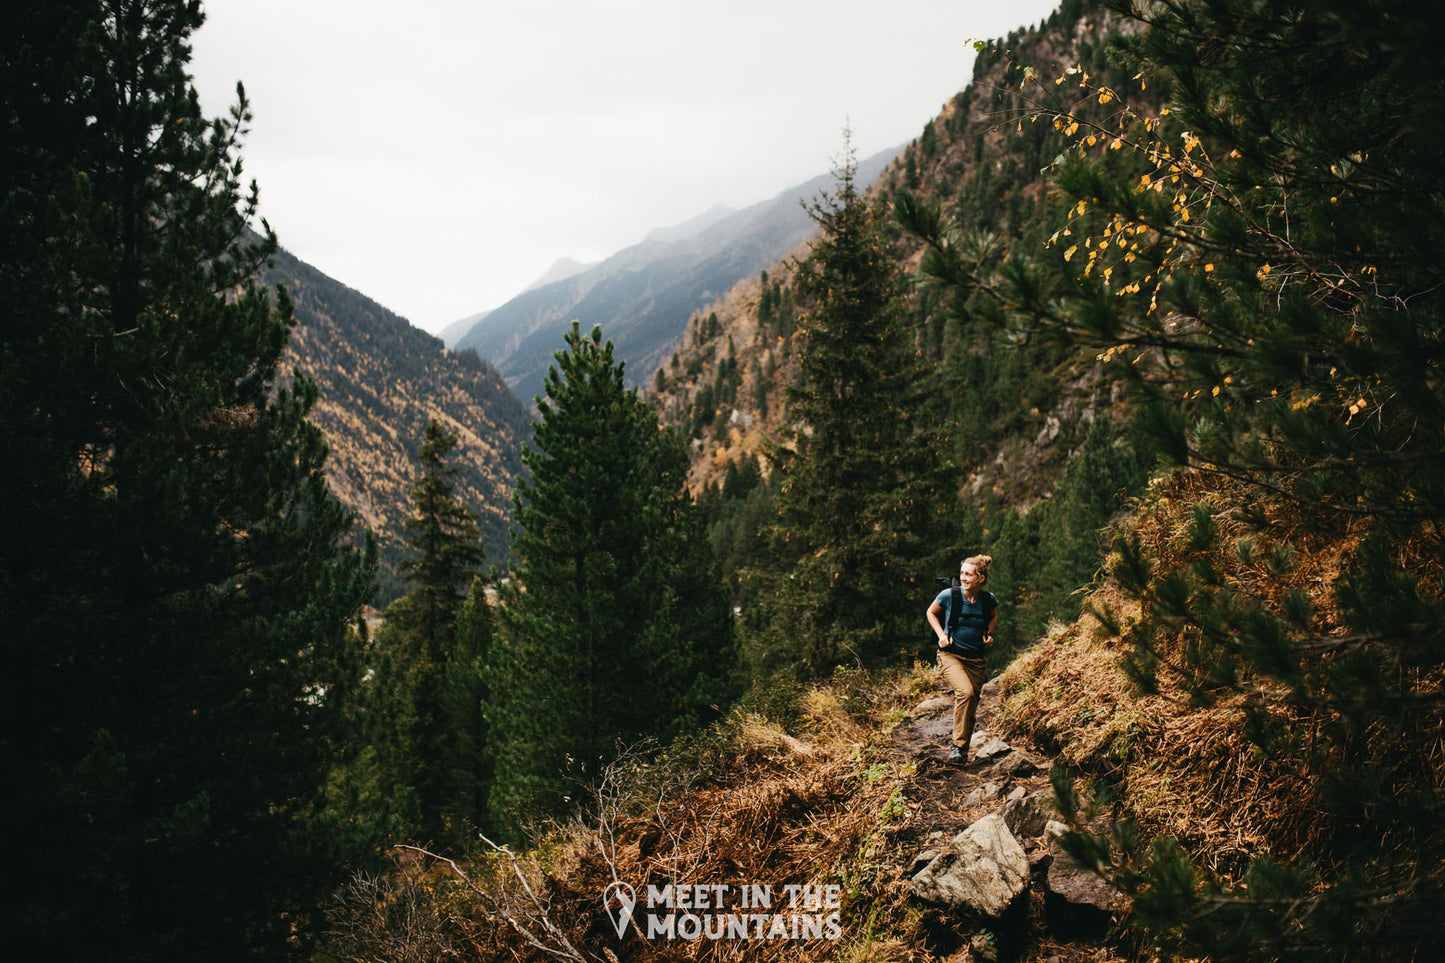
(1186, 772)
(822, 805)
(1183, 769)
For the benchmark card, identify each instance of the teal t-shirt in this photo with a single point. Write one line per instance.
(973, 620)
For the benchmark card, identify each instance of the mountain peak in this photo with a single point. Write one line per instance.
(561, 269)
(691, 227)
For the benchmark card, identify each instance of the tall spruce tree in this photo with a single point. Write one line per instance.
(176, 603)
(864, 491)
(427, 735)
(617, 626)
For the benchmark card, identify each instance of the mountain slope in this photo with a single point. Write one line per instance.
(380, 379)
(726, 386)
(643, 296)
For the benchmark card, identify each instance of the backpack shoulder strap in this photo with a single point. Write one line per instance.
(955, 607)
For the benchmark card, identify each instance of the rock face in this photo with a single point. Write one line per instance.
(982, 870)
(1076, 901)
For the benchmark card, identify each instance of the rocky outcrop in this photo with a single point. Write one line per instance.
(981, 871)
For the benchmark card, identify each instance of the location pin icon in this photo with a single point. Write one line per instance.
(619, 899)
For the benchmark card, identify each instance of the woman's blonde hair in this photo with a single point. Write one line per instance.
(980, 564)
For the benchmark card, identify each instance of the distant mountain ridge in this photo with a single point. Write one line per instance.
(380, 379)
(644, 295)
(561, 269)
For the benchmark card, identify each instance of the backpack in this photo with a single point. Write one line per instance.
(955, 606)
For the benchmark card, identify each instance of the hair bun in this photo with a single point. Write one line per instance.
(980, 564)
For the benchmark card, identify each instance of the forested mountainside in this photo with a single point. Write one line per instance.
(380, 380)
(643, 295)
(1026, 423)
(725, 385)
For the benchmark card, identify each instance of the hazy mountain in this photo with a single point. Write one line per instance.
(560, 270)
(644, 295)
(692, 227)
(380, 379)
(454, 332)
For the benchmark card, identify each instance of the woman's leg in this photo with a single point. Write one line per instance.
(965, 696)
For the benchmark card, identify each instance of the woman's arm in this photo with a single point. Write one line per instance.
(934, 611)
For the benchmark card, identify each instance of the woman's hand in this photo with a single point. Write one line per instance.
(943, 641)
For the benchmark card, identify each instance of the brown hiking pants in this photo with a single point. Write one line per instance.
(966, 677)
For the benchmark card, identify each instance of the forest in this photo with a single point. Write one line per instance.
(1151, 314)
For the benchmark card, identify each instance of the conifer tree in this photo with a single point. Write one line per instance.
(176, 604)
(427, 733)
(616, 626)
(862, 496)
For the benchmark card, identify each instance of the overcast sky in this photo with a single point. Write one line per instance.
(439, 155)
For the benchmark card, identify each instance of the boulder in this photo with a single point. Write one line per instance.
(1031, 814)
(1078, 902)
(1016, 764)
(986, 747)
(982, 871)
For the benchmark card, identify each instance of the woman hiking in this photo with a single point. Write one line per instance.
(963, 638)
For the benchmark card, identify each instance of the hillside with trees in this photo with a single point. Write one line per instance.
(1150, 313)
(381, 381)
(1161, 317)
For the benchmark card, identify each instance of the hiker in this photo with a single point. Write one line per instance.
(963, 637)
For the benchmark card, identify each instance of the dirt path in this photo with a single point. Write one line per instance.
(946, 798)
(951, 796)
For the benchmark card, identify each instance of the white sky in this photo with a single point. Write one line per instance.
(439, 155)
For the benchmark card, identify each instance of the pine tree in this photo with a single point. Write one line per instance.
(862, 495)
(427, 733)
(617, 626)
(176, 604)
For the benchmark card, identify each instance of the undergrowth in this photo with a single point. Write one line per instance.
(805, 794)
